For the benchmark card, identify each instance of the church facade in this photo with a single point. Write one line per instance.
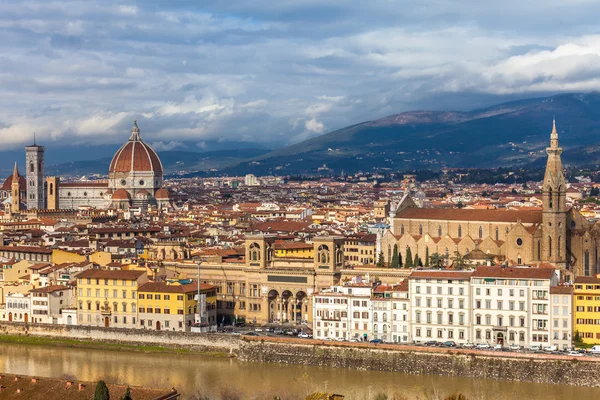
(135, 180)
(554, 236)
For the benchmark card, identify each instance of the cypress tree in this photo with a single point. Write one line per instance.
(409, 258)
(394, 260)
(101, 391)
(416, 261)
(399, 260)
(380, 261)
(127, 395)
(427, 256)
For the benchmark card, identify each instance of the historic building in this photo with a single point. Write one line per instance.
(554, 236)
(266, 287)
(13, 193)
(135, 179)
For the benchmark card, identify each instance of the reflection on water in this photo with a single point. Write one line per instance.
(190, 374)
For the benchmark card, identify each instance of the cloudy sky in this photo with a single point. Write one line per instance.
(275, 72)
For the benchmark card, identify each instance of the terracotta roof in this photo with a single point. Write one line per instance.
(561, 289)
(455, 214)
(281, 226)
(516, 273)
(111, 274)
(50, 289)
(587, 279)
(39, 266)
(60, 389)
(27, 249)
(135, 155)
(441, 274)
(7, 185)
(160, 287)
(121, 194)
(162, 194)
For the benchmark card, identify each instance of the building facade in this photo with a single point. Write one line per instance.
(586, 308)
(555, 235)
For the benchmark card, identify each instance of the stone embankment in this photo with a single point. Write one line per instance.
(538, 368)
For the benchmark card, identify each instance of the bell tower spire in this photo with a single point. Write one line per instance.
(553, 248)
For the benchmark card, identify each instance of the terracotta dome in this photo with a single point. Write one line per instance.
(162, 194)
(143, 193)
(135, 155)
(121, 194)
(8, 183)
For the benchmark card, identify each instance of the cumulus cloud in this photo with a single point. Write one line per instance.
(165, 146)
(273, 72)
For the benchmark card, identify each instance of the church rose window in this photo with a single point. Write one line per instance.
(142, 182)
(519, 242)
(123, 182)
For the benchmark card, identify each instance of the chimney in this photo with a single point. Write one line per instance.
(2, 388)
(69, 384)
(19, 390)
(17, 378)
(34, 380)
(81, 387)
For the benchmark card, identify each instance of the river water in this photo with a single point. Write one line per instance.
(191, 374)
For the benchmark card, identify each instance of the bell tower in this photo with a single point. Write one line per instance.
(16, 191)
(554, 214)
(34, 156)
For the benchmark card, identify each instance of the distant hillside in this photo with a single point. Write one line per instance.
(509, 134)
(173, 162)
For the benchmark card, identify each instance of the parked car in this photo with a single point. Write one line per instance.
(515, 347)
(376, 341)
(354, 340)
(483, 346)
(236, 333)
(595, 349)
(340, 339)
(575, 353)
(498, 347)
(250, 334)
(535, 348)
(430, 343)
(258, 329)
(551, 348)
(449, 343)
(277, 331)
(304, 335)
(468, 345)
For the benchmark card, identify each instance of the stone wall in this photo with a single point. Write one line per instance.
(538, 368)
(195, 341)
(471, 364)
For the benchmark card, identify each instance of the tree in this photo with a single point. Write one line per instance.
(400, 260)
(436, 260)
(416, 261)
(427, 257)
(127, 395)
(101, 391)
(408, 258)
(380, 261)
(595, 192)
(459, 261)
(395, 262)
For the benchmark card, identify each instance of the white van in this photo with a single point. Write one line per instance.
(595, 349)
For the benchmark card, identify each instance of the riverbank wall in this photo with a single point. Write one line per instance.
(524, 367)
(175, 340)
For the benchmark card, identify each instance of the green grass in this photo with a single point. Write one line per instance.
(92, 344)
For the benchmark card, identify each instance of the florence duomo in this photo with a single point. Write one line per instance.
(552, 237)
(135, 180)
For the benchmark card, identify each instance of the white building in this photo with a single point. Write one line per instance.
(17, 308)
(391, 313)
(561, 315)
(343, 312)
(439, 303)
(48, 303)
(511, 305)
(251, 180)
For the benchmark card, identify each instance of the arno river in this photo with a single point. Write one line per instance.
(189, 373)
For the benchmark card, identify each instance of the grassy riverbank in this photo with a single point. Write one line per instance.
(92, 344)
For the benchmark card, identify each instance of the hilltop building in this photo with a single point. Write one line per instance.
(554, 236)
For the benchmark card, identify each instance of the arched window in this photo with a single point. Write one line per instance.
(389, 253)
(402, 229)
(480, 232)
(51, 189)
(539, 250)
(439, 230)
(550, 246)
(497, 233)
(31, 167)
(254, 252)
(586, 263)
(420, 230)
(550, 198)
(459, 231)
(558, 244)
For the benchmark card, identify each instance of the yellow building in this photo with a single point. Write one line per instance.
(586, 308)
(63, 256)
(360, 249)
(173, 306)
(108, 297)
(294, 250)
